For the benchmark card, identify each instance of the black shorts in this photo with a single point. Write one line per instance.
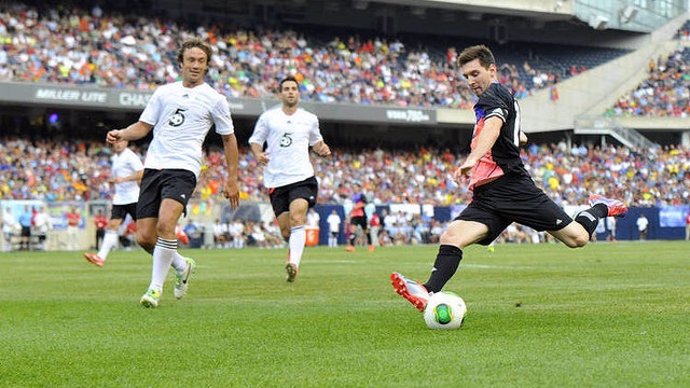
(513, 199)
(361, 221)
(156, 185)
(120, 212)
(26, 231)
(282, 197)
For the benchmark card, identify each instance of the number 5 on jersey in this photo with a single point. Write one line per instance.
(177, 118)
(286, 140)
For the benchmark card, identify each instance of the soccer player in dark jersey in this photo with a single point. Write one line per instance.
(502, 190)
(358, 218)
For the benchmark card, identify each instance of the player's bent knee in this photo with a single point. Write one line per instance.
(146, 242)
(165, 231)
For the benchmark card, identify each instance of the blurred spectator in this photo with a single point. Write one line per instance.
(221, 234)
(101, 221)
(73, 221)
(9, 224)
(25, 220)
(333, 222)
(642, 226)
(42, 225)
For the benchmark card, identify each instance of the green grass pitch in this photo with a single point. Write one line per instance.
(606, 315)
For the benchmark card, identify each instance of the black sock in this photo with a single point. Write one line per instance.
(353, 237)
(589, 218)
(368, 234)
(447, 262)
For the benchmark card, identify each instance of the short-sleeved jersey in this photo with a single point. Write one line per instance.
(181, 118)
(333, 221)
(125, 164)
(289, 138)
(504, 157)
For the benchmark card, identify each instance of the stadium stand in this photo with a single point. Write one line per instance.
(78, 170)
(666, 93)
(76, 46)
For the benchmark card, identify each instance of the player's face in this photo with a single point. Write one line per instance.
(478, 76)
(289, 93)
(194, 66)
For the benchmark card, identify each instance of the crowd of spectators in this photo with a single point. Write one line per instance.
(79, 170)
(666, 93)
(75, 46)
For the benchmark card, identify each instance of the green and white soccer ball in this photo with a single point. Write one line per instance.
(445, 310)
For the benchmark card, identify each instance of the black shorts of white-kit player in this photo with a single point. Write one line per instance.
(120, 212)
(156, 185)
(281, 197)
(513, 198)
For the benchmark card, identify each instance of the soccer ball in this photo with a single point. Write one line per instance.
(445, 310)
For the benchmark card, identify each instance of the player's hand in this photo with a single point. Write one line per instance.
(232, 193)
(113, 136)
(464, 169)
(322, 149)
(523, 138)
(262, 158)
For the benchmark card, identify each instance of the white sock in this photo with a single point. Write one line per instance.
(179, 263)
(163, 255)
(298, 237)
(109, 241)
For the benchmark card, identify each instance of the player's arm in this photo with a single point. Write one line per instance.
(134, 132)
(321, 148)
(487, 139)
(258, 152)
(231, 191)
(136, 176)
(316, 140)
(257, 140)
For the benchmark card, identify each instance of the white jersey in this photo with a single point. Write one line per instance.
(289, 138)
(125, 164)
(333, 223)
(181, 118)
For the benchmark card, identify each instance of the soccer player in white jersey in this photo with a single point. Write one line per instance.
(127, 171)
(180, 115)
(289, 131)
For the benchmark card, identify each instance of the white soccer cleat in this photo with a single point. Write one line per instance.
(150, 299)
(182, 279)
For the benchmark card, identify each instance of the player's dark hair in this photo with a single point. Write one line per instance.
(481, 52)
(287, 79)
(192, 43)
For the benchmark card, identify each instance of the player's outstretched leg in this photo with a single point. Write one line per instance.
(182, 278)
(411, 290)
(615, 207)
